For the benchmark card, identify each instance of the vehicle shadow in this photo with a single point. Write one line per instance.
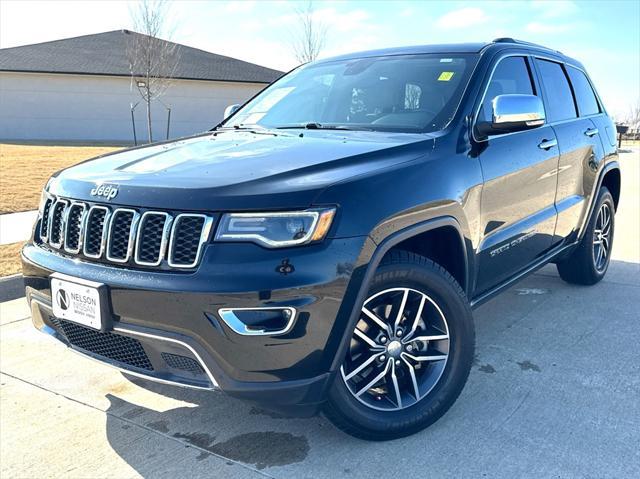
(211, 423)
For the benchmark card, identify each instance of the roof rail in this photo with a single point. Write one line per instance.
(522, 42)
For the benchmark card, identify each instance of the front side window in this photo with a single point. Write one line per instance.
(407, 93)
(560, 104)
(585, 97)
(511, 76)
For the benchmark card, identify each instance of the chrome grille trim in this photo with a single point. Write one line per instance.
(132, 234)
(161, 239)
(75, 204)
(46, 210)
(52, 216)
(166, 229)
(105, 229)
(204, 236)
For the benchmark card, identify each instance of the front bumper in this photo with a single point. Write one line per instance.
(164, 315)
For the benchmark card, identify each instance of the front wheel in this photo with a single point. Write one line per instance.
(409, 355)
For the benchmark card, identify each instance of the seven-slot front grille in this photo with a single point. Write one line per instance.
(125, 235)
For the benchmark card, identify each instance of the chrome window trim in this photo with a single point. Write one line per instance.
(132, 234)
(81, 232)
(204, 236)
(532, 56)
(166, 230)
(63, 226)
(237, 326)
(105, 229)
(593, 89)
(527, 57)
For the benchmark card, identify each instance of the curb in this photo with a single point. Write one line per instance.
(11, 287)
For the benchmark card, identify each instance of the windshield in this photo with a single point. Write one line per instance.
(407, 93)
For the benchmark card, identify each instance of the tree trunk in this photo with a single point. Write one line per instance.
(149, 134)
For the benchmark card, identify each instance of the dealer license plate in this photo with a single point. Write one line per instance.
(76, 300)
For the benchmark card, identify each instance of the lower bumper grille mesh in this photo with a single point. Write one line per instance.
(183, 363)
(113, 346)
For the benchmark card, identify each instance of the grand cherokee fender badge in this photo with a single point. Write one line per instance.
(106, 191)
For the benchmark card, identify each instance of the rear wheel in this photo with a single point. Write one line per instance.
(590, 260)
(410, 352)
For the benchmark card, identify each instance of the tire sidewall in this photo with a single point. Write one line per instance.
(603, 197)
(457, 313)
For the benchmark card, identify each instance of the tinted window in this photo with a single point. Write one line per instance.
(560, 105)
(510, 76)
(587, 102)
(389, 93)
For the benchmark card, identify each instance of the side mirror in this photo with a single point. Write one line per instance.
(513, 113)
(230, 110)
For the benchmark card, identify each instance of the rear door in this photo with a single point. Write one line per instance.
(518, 213)
(571, 107)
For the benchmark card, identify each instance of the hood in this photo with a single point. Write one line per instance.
(237, 170)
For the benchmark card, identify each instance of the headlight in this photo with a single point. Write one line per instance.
(276, 230)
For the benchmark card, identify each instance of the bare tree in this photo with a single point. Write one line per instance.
(310, 36)
(633, 117)
(152, 61)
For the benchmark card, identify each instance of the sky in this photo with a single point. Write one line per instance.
(603, 35)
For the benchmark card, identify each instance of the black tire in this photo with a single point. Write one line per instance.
(583, 265)
(401, 269)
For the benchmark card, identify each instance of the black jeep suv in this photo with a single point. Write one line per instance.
(323, 247)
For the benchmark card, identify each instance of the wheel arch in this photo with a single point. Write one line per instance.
(611, 178)
(444, 223)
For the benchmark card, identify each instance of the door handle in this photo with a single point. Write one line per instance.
(546, 144)
(591, 132)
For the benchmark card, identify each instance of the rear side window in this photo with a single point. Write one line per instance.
(560, 104)
(585, 97)
(510, 76)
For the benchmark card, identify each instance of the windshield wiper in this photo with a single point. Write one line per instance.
(253, 128)
(314, 126)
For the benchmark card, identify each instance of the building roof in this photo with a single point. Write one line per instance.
(106, 54)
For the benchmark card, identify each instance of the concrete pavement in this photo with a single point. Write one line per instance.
(554, 392)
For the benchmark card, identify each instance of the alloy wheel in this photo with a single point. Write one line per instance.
(398, 351)
(602, 237)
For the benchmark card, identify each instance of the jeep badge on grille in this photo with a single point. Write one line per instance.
(106, 191)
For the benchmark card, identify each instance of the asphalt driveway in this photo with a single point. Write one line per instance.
(554, 392)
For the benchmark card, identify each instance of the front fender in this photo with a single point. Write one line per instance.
(370, 257)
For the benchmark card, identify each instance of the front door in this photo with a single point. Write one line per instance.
(518, 213)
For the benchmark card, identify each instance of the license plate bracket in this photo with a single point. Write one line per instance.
(81, 301)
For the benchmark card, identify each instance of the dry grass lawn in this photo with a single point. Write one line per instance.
(10, 258)
(24, 170)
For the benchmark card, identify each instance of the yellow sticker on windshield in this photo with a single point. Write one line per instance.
(445, 76)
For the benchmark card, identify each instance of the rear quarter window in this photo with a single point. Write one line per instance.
(559, 98)
(585, 96)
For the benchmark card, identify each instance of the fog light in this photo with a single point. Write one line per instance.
(269, 321)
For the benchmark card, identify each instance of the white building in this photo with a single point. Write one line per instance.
(80, 89)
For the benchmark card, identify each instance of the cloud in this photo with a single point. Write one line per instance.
(351, 21)
(551, 28)
(556, 9)
(462, 18)
(239, 6)
(406, 12)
